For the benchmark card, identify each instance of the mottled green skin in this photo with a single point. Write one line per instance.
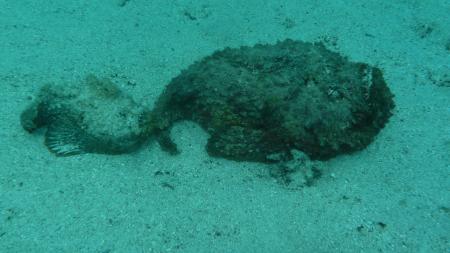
(268, 99)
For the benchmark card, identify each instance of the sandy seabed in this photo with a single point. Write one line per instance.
(391, 197)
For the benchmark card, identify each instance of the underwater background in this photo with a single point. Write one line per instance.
(393, 196)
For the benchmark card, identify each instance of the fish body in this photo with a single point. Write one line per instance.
(268, 99)
(91, 117)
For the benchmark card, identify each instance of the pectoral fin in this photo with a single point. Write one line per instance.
(64, 137)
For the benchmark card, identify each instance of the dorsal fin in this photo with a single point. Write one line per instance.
(103, 87)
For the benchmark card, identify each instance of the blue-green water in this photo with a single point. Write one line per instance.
(393, 196)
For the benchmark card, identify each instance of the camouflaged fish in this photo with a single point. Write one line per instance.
(94, 117)
(256, 103)
(266, 100)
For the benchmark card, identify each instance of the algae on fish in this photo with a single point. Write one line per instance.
(267, 99)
